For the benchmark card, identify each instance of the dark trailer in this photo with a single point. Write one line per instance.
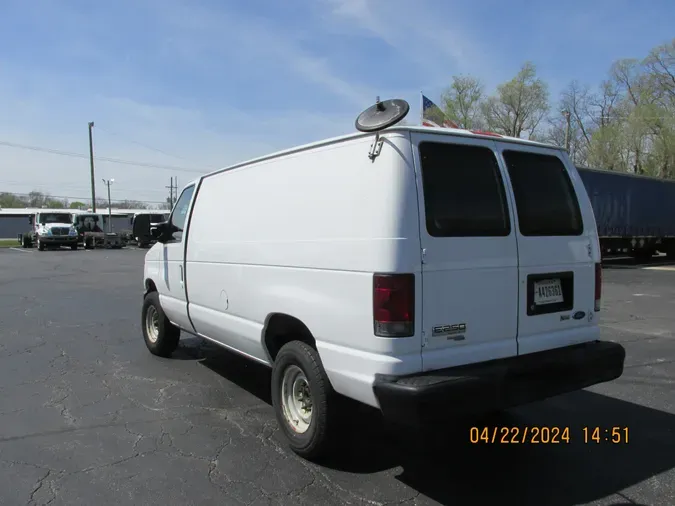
(633, 213)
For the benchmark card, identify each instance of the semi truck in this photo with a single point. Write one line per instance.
(51, 228)
(635, 214)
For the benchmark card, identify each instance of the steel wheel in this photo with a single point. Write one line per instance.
(296, 399)
(152, 324)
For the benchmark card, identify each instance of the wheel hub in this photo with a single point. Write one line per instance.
(296, 399)
(152, 324)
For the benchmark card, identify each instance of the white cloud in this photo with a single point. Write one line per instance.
(121, 124)
(413, 29)
(199, 35)
(50, 107)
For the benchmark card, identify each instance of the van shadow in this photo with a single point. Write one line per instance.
(445, 466)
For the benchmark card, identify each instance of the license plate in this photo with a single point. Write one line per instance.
(548, 291)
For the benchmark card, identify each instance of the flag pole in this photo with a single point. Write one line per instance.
(421, 108)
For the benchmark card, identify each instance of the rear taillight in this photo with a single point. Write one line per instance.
(394, 305)
(598, 285)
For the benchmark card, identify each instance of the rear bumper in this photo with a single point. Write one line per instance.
(499, 384)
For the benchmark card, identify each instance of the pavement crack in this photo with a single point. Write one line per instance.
(114, 463)
(138, 436)
(38, 486)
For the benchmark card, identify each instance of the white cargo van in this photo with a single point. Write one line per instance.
(417, 270)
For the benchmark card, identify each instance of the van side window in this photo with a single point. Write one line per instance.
(179, 214)
(463, 191)
(545, 199)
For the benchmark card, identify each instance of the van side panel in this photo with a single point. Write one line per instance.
(302, 234)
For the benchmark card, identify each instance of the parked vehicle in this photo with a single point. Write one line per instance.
(90, 228)
(140, 224)
(418, 270)
(634, 213)
(51, 228)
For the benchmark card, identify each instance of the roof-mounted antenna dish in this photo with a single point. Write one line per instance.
(378, 117)
(382, 115)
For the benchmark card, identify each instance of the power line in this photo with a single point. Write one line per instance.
(140, 144)
(101, 158)
(69, 187)
(85, 199)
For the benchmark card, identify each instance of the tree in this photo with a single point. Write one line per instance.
(575, 100)
(463, 100)
(77, 205)
(36, 199)
(12, 201)
(519, 105)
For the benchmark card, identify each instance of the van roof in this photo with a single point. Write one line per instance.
(458, 132)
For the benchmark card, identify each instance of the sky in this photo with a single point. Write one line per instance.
(202, 84)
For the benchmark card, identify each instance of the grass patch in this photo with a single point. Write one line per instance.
(9, 243)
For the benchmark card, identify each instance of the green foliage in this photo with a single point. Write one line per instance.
(627, 123)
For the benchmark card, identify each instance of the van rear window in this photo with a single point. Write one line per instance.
(463, 191)
(545, 199)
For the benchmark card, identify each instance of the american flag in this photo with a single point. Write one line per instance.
(432, 116)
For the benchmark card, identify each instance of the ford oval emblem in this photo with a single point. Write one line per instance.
(579, 315)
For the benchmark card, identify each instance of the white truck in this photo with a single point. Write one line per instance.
(417, 270)
(51, 228)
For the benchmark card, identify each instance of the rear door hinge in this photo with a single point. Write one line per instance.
(424, 339)
(424, 255)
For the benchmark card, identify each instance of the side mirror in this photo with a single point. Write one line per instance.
(160, 231)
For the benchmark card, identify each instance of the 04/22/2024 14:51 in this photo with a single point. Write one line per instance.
(549, 435)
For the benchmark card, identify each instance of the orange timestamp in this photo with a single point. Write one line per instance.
(547, 435)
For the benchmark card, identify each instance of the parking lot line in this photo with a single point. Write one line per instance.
(22, 250)
(661, 268)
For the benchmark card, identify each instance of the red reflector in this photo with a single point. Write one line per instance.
(483, 132)
(598, 285)
(394, 305)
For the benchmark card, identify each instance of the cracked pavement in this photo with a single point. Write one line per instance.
(89, 417)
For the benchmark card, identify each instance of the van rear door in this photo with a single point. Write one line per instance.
(557, 248)
(469, 252)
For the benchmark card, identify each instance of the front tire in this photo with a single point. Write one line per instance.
(40, 245)
(160, 335)
(303, 400)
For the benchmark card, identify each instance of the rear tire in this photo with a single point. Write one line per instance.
(304, 401)
(73, 247)
(160, 335)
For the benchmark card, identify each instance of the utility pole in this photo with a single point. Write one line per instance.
(108, 183)
(172, 196)
(91, 163)
(567, 115)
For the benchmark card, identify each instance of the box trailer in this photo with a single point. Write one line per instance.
(634, 213)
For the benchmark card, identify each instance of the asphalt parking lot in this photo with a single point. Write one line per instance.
(89, 417)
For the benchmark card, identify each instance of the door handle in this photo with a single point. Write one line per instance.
(181, 273)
